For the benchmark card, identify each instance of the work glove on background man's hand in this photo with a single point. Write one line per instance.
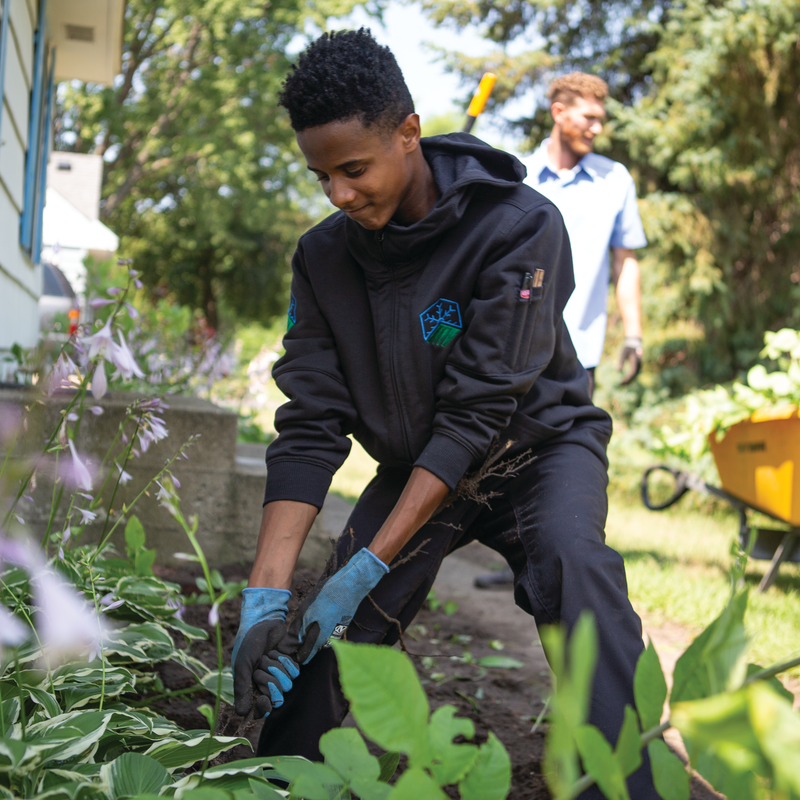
(261, 627)
(330, 608)
(631, 352)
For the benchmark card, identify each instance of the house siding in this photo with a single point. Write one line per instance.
(20, 279)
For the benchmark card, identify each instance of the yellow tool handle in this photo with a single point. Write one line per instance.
(482, 95)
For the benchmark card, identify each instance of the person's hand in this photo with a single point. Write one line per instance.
(632, 353)
(330, 608)
(254, 662)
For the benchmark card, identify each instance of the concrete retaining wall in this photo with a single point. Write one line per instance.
(223, 486)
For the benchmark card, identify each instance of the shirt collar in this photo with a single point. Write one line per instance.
(542, 161)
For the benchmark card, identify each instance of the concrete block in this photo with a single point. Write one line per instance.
(222, 486)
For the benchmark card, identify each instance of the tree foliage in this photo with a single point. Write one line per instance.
(706, 116)
(202, 177)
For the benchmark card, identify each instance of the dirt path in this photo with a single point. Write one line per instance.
(492, 615)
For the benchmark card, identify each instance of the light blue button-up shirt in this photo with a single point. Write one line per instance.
(597, 199)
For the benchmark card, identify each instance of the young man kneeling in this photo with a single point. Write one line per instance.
(426, 321)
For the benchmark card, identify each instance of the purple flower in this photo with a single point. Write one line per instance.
(178, 606)
(138, 284)
(99, 381)
(62, 369)
(96, 410)
(66, 535)
(19, 519)
(114, 291)
(82, 476)
(72, 417)
(124, 477)
(213, 615)
(132, 312)
(65, 621)
(124, 361)
(109, 603)
(99, 303)
(101, 343)
(176, 482)
(86, 515)
(12, 631)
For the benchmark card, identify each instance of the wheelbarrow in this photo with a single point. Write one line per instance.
(758, 461)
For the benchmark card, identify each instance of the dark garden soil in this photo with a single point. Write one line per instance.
(444, 643)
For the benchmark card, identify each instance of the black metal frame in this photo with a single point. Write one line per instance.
(771, 544)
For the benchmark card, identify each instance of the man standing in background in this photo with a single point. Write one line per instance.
(597, 199)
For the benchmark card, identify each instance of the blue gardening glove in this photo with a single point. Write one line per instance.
(328, 610)
(261, 627)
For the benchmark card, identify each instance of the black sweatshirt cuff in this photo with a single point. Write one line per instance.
(446, 459)
(297, 480)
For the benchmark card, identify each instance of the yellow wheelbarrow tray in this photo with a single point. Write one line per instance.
(758, 461)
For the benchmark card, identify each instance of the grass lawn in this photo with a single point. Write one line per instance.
(677, 563)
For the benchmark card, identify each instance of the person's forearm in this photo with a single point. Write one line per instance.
(284, 527)
(629, 292)
(422, 495)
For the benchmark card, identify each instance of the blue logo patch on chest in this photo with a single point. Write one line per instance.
(292, 312)
(441, 322)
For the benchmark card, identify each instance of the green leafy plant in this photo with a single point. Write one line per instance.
(714, 411)
(391, 709)
(736, 719)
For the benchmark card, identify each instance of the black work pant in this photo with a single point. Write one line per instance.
(548, 523)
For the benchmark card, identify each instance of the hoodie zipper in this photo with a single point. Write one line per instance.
(392, 370)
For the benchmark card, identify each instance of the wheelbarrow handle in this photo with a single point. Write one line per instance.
(681, 487)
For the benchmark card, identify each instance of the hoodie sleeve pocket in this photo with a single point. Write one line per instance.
(520, 335)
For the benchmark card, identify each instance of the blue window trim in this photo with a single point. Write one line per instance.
(42, 193)
(3, 50)
(34, 134)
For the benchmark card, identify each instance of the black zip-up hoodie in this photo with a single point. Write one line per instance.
(426, 342)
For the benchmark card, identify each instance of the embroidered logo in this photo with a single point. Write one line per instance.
(441, 322)
(292, 313)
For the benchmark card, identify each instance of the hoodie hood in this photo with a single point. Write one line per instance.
(460, 164)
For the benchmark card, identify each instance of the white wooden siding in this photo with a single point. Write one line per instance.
(20, 281)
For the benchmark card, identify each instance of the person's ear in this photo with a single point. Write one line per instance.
(557, 110)
(410, 132)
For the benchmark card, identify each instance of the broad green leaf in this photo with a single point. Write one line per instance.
(16, 756)
(134, 773)
(10, 711)
(291, 768)
(134, 534)
(47, 701)
(773, 682)
(370, 790)
(263, 791)
(415, 784)
(183, 754)
(649, 688)
(599, 762)
(490, 776)
(628, 751)
(207, 793)
(669, 775)
(709, 665)
(500, 662)
(450, 762)
(561, 764)
(777, 728)
(211, 682)
(386, 697)
(346, 752)
(388, 762)
(720, 727)
(144, 561)
(582, 660)
(306, 787)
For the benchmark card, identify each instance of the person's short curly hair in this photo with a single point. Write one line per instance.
(569, 88)
(343, 75)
